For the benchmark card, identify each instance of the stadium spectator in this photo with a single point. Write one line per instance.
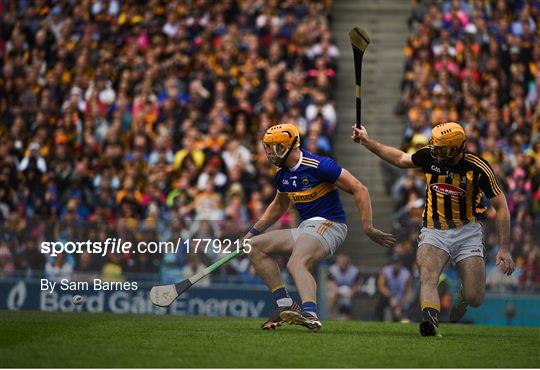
(170, 271)
(112, 269)
(59, 267)
(395, 291)
(6, 261)
(343, 284)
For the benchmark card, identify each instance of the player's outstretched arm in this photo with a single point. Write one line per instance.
(389, 154)
(504, 258)
(275, 210)
(359, 191)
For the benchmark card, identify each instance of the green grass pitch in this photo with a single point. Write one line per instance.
(40, 339)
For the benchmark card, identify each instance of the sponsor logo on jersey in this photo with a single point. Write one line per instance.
(303, 198)
(448, 189)
(308, 195)
(435, 168)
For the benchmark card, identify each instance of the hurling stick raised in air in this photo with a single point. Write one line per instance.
(164, 295)
(359, 41)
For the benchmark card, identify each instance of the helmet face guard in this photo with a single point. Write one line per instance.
(277, 153)
(445, 154)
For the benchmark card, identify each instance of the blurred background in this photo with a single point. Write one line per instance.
(141, 120)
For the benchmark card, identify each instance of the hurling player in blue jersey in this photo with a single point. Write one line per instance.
(310, 182)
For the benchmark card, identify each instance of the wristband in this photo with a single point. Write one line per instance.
(254, 231)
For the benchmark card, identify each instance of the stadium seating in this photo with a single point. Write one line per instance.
(142, 121)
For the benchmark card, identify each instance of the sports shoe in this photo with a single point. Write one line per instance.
(275, 320)
(429, 329)
(301, 318)
(459, 309)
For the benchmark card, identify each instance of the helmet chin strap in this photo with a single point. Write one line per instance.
(283, 159)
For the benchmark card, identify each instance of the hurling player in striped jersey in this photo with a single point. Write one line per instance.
(310, 183)
(456, 181)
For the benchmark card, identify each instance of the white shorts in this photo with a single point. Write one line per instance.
(331, 234)
(460, 243)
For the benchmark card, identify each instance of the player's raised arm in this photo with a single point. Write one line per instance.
(389, 154)
(359, 191)
(275, 210)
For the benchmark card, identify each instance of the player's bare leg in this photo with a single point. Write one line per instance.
(307, 252)
(473, 277)
(262, 248)
(431, 261)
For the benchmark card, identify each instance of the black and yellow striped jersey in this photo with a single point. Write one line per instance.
(454, 193)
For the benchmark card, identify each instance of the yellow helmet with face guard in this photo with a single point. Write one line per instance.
(447, 141)
(279, 141)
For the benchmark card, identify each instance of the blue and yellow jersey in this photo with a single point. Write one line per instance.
(311, 187)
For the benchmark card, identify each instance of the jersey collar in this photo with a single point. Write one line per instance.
(298, 163)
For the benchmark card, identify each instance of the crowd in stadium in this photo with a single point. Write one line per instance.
(142, 121)
(477, 62)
